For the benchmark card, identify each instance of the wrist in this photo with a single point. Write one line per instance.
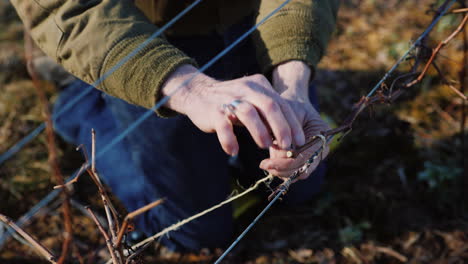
(182, 84)
(293, 77)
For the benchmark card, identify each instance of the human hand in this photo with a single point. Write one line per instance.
(261, 110)
(291, 80)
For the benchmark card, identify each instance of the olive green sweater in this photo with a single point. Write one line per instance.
(90, 37)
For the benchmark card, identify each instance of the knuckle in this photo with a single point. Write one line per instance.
(250, 112)
(258, 77)
(271, 105)
(261, 79)
(249, 89)
(245, 82)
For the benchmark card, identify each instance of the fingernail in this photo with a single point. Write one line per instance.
(263, 164)
(234, 152)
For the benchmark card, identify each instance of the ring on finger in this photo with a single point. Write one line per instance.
(230, 109)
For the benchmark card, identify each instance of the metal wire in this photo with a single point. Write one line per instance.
(18, 146)
(150, 112)
(238, 239)
(28, 138)
(201, 70)
(283, 190)
(415, 44)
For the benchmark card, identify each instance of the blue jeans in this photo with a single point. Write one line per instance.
(171, 158)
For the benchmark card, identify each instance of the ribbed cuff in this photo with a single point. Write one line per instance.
(139, 80)
(296, 49)
(292, 34)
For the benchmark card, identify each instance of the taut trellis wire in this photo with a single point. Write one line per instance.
(18, 146)
(150, 112)
(282, 189)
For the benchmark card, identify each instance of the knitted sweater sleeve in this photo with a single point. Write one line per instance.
(299, 31)
(90, 38)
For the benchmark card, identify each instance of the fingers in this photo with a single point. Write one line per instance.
(284, 167)
(276, 152)
(281, 174)
(261, 110)
(285, 172)
(281, 164)
(274, 117)
(296, 128)
(249, 117)
(226, 136)
(275, 111)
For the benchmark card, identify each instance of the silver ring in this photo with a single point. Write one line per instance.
(230, 109)
(235, 103)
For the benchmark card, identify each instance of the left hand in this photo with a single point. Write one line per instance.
(291, 80)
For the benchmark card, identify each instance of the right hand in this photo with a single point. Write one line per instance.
(262, 111)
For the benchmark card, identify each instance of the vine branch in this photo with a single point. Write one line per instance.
(35, 244)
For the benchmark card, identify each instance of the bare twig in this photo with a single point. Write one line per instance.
(463, 84)
(423, 51)
(80, 172)
(93, 151)
(364, 102)
(445, 116)
(447, 83)
(176, 226)
(38, 246)
(82, 208)
(74, 180)
(137, 252)
(115, 260)
(111, 214)
(460, 10)
(368, 100)
(51, 145)
(13, 234)
(76, 251)
(400, 78)
(294, 153)
(132, 215)
(391, 252)
(437, 50)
